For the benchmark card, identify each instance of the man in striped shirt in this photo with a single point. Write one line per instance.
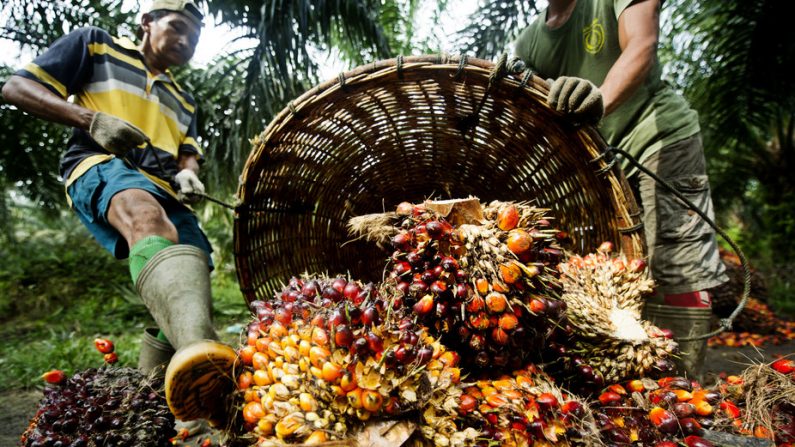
(130, 170)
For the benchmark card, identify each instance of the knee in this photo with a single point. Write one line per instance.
(151, 220)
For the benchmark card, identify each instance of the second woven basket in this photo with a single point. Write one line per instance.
(409, 129)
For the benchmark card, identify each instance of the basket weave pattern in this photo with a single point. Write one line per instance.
(405, 130)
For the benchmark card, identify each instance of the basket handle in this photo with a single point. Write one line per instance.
(725, 323)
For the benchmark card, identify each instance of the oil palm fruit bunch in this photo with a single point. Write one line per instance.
(484, 283)
(101, 406)
(671, 409)
(604, 296)
(317, 367)
(520, 409)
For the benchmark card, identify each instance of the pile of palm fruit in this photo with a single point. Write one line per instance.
(480, 325)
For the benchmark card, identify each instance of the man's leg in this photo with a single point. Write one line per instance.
(682, 249)
(173, 281)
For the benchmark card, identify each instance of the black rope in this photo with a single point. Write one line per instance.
(462, 63)
(725, 323)
(400, 66)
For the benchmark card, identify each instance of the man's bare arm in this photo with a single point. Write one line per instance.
(35, 99)
(638, 29)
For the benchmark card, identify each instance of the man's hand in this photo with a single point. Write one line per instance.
(189, 187)
(114, 134)
(578, 98)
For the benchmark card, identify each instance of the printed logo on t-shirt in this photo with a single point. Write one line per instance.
(594, 37)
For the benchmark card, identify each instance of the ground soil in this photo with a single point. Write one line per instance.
(18, 406)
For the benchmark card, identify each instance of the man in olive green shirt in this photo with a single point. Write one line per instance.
(612, 44)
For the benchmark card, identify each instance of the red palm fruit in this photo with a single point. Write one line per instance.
(438, 287)
(666, 444)
(696, 441)
(477, 342)
(435, 229)
(618, 389)
(351, 291)
(374, 342)
(784, 366)
(103, 345)
(547, 401)
(405, 354)
(510, 273)
(475, 304)
(54, 376)
(401, 268)
(461, 291)
(538, 306)
(424, 306)
(636, 386)
(573, 408)
(519, 242)
(111, 358)
(508, 321)
(637, 265)
(343, 336)
(479, 321)
(609, 398)
(683, 409)
(392, 406)
(690, 426)
(499, 336)
(664, 420)
(355, 398)
(730, 409)
(496, 302)
(339, 284)
(370, 316)
(508, 218)
(244, 380)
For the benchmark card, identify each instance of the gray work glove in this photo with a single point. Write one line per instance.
(578, 98)
(114, 134)
(190, 187)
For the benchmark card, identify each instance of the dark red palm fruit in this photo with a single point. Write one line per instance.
(696, 441)
(401, 268)
(370, 316)
(690, 426)
(609, 398)
(343, 336)
(683, 409)
(547, 401)
(402, 241)
(435, 229)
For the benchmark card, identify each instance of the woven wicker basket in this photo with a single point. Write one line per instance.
(409, 129)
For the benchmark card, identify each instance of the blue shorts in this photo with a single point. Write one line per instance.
(91, 194)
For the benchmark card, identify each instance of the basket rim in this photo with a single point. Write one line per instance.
(629, 226)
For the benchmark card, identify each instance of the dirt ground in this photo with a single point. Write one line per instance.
(17, 407)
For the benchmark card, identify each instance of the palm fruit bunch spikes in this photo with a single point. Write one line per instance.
(317, 367)
(105, 406)
(665, 412)
(520, 409)
(485, 284)
(604, 296)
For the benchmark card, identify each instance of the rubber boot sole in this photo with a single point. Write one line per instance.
(199, 381)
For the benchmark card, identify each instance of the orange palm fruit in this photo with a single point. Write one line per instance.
(510, 273)
(496, 302)
(372, 400)
(244, 380)
(318, 356)
(482, 286)
(348, 381)
(331, 372)
(246, 353)
(253, 412)
(355, 398)
(317, 437)
(261, 377)
(466, 403)
(703, 408)
(636, 386)
(682, 395)
(519, 242)
(508, 218)
(259, 360)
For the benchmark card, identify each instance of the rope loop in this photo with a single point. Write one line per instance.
(528, 75)
(400, 66)
(462, 62)
(341, 79)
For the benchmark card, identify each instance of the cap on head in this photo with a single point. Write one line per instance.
(186, 7)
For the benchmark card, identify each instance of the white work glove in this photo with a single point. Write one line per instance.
(189, 187)
(578, 98)
(114, 134)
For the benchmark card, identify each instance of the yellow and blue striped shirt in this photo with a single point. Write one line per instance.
(108, 74)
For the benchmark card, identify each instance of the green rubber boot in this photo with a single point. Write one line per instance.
(175, 286)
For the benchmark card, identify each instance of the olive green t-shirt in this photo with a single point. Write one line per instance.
(586, 46)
